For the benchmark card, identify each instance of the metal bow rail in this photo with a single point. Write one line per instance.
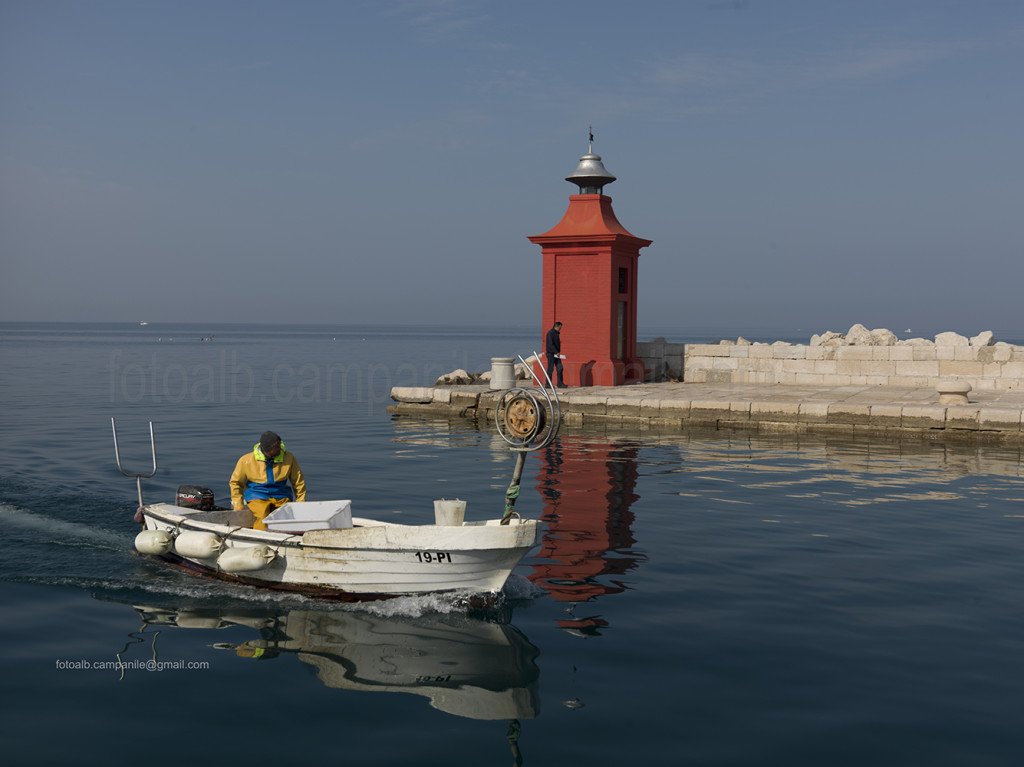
(138, 477)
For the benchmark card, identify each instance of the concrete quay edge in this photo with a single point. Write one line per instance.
(865, 410)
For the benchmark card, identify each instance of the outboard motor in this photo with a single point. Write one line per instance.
(195, 497)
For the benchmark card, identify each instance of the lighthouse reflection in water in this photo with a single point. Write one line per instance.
(588, 486)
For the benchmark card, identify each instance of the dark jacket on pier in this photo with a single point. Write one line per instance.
(553, 342)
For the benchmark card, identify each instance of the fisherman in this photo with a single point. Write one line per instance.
(260, 479)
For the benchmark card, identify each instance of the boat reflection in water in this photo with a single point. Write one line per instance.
(588, 486)
(463, 666)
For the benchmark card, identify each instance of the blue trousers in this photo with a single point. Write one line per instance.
(555, 364)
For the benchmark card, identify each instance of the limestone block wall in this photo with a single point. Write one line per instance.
(998, 366)
(663, 361)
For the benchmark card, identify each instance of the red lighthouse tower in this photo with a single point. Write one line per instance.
(590, 276)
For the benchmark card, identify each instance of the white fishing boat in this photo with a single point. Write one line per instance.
(319, 548)
(369, 559)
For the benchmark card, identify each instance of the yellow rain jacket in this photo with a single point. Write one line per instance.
(255, 477)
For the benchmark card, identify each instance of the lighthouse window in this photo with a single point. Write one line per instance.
(623, 284)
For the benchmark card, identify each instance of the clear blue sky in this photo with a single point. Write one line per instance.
(803, 164)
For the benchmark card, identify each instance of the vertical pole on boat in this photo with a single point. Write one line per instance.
(138, 477)
(513, 489)
(514, 730)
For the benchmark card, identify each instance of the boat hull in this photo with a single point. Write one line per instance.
(372, 560)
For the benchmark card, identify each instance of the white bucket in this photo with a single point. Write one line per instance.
(449, 513)
(503, 373)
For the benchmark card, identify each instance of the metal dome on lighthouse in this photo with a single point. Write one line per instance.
(590, 175)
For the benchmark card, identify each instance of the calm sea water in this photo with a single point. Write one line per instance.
(706, 599)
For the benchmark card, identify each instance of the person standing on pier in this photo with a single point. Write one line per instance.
(553, 351)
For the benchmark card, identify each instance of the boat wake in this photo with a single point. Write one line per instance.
(47, 529)
(188, 591)
(518, 588)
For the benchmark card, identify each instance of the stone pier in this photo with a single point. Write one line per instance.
(878, 411)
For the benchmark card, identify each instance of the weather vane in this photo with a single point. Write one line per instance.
(591, 137)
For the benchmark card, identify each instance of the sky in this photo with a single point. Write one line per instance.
(797, 163)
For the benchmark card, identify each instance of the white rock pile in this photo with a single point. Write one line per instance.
(859, 335)
(461, 377)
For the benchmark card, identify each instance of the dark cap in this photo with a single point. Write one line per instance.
(267, 440)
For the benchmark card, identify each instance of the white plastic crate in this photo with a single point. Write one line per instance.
(295, 517)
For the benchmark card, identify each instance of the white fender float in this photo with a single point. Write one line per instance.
(198, 545)
(192, 620)
(153, 542)
(245, 559)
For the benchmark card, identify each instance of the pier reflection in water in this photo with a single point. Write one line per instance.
(463, 666)
(588, 486)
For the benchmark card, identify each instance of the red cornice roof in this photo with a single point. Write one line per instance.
(590, 217)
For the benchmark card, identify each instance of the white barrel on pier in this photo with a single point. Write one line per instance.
(503, 373)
